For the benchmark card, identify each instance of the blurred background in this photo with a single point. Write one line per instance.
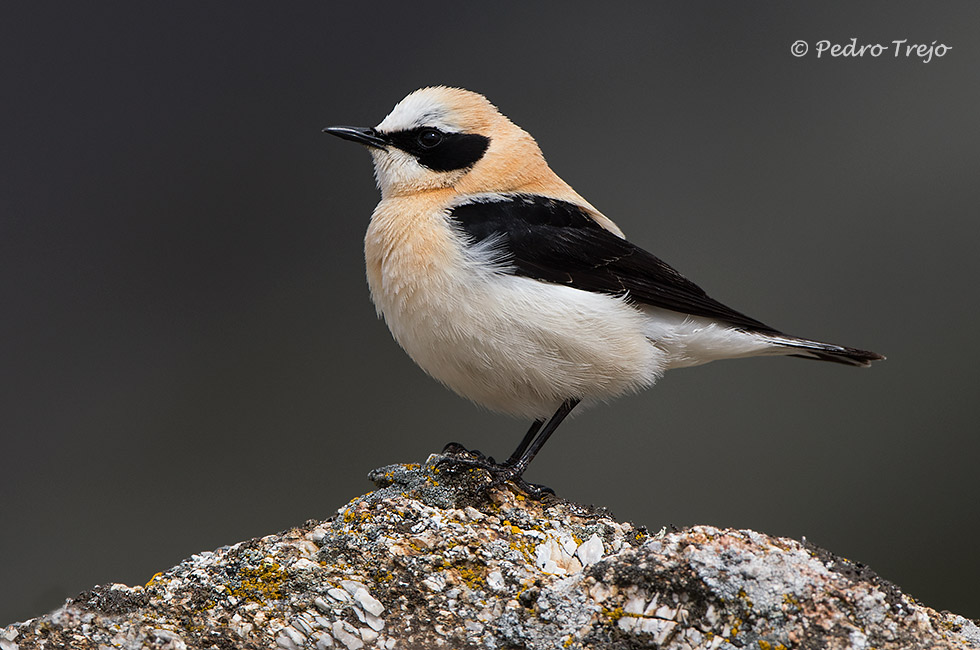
(188, 353)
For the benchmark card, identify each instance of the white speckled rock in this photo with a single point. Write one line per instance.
(436, 558)
(590, 551)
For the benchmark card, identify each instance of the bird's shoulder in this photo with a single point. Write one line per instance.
(490, 213)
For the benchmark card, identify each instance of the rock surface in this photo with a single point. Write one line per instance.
(438, 558)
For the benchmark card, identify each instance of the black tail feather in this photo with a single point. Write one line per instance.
(807, 349)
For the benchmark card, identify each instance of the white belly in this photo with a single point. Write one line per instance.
(520, 346)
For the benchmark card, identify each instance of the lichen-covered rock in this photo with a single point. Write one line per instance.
(439, 558)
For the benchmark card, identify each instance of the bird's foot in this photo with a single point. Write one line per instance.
(456, 454)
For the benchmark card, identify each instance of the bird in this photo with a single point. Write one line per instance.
(503, 283)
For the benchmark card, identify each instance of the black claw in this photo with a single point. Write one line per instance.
(459, 451)
(454, 448)
(534, 490)
(457, 455)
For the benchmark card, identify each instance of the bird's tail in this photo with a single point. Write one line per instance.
(808, 349)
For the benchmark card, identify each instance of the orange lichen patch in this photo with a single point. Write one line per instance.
(260, 584)
(156, 575)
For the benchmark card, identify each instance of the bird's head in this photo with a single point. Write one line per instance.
(441, 137)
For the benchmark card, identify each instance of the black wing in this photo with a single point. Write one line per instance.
(556, 241)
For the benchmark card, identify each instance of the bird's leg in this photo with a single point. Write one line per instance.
(513, 468)
(518, 466)
(521, 448)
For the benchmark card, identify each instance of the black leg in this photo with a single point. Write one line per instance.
(521, 464)
(514, 467)
(521, 448)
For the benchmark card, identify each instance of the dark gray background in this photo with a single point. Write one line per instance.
(189, 358)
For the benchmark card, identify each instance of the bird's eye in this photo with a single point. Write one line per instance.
(429, 138)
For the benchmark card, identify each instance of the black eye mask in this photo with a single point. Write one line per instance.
(438, 150)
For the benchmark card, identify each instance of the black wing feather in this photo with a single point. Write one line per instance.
(556, 241)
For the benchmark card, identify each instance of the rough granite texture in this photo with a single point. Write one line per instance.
(437, 558)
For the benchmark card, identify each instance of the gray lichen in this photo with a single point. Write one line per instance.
(438, 557)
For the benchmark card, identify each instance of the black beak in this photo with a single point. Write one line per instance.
(360, 134)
